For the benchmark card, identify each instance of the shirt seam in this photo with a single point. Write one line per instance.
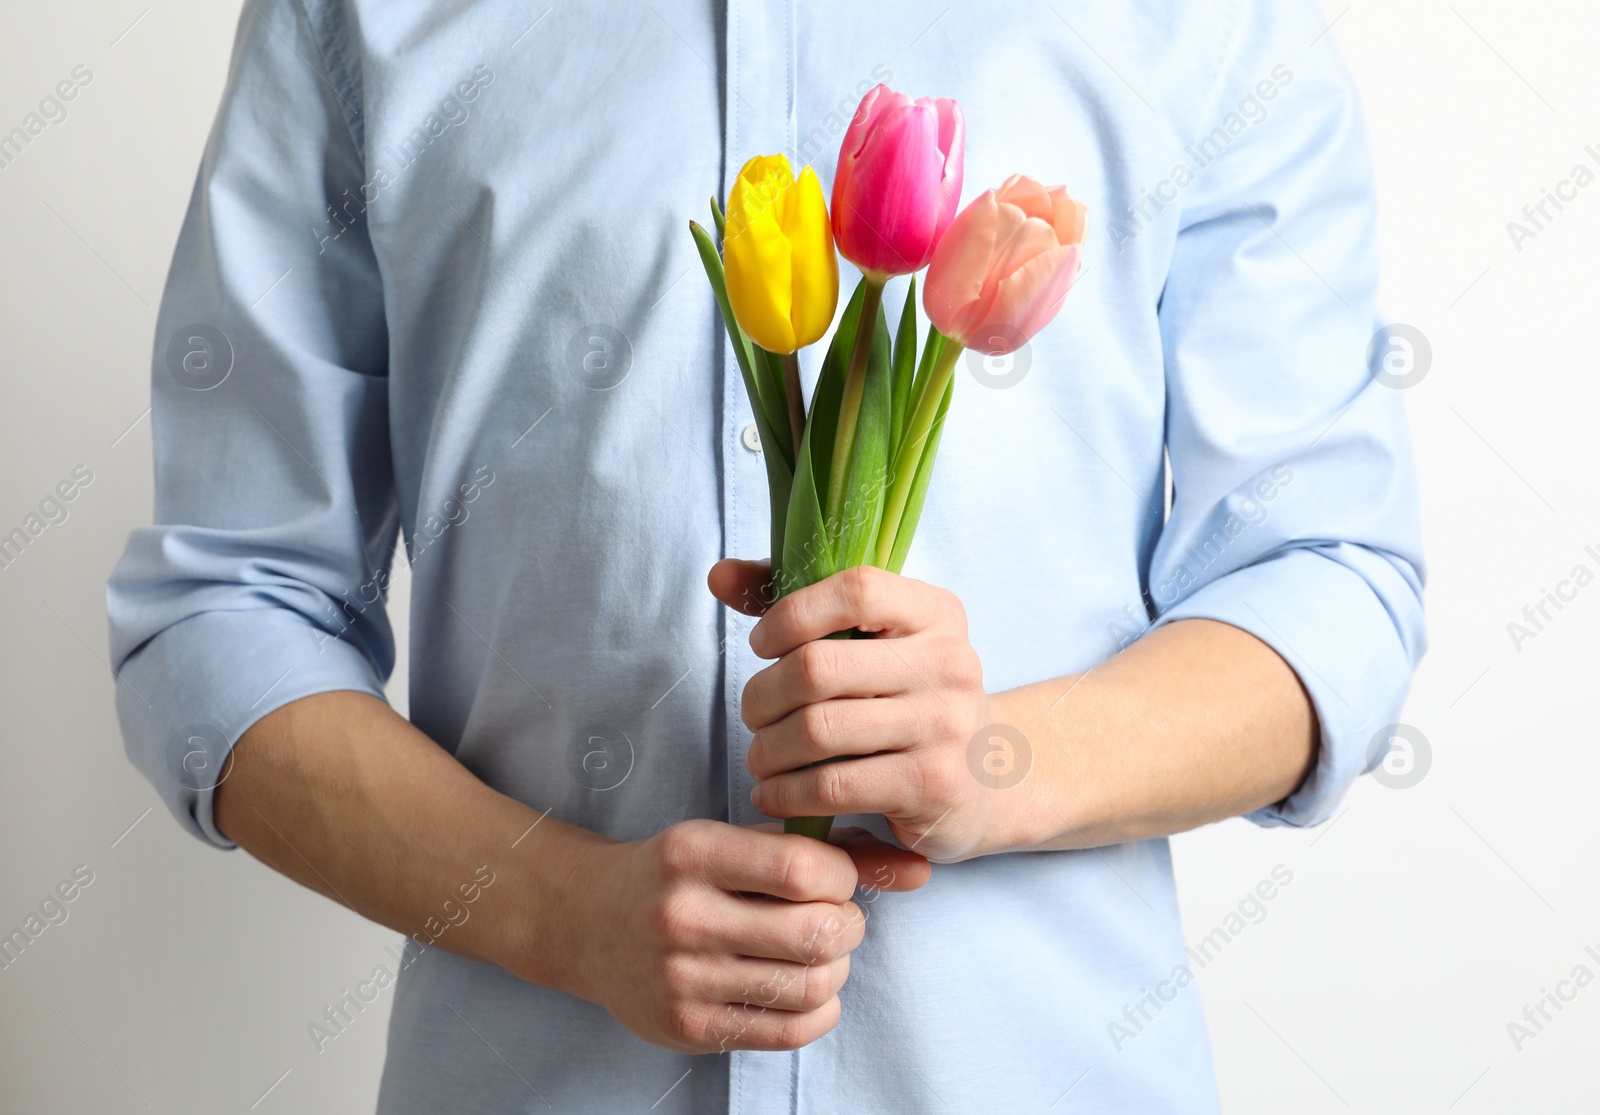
(327, 30)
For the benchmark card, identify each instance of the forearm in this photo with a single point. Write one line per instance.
(1196, 722)
(344, 796)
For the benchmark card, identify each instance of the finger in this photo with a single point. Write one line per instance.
(733, 1027)
(879, 864)
(861, 597)
(743, 585)
(776, 984)
(832, 729)
(890, 784)
(829, 668)
(782, 865)
(797, 932)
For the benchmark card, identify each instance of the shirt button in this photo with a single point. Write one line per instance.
(751, 438)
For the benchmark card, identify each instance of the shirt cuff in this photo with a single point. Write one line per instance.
(1325, 619)
(186, 696)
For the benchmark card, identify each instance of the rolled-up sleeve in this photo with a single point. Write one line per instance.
(262, 580)
(1294, 506)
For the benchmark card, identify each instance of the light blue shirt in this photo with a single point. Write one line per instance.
(436, 279)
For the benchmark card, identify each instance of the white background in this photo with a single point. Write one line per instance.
(1382, 978)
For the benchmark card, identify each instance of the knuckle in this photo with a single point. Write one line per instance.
(946, 722)
(966, 667)
(818, 725)
(749, 700)
(940, 785)
(817, 985)
(678, 848)
(800, 875)
(686, 1023)
(668, 919)
(831, 786)
(820, 941)
(815, 666)
(864, 587)
(941, 721)
(676, 975)
(791, 1033)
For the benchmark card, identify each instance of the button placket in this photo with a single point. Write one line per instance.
(760, 85)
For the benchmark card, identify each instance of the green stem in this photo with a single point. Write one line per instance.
(850, 403)
(797, 399)
(910, 455)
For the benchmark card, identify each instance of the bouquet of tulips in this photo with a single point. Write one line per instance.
(848, 472)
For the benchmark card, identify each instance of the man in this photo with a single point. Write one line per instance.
(435, 280)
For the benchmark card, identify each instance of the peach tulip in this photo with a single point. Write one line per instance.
(899, 181)
(1003, 269)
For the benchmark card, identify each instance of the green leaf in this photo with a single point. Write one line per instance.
(919, 486)
(717, 218)
(930, 360)
(866, 481)
(904, 364)
(807, 554)
(779, 475)
(825, 398)
(775, 401)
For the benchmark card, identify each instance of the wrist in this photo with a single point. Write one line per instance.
(1048, 800)
(540, 938)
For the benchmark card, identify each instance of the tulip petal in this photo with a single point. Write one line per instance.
(1027, 300)
(756, 253)
(961, 264)
(953, 146)
(879, 99)
(886, 211)
(814, 267)
(1069, 217)
(1027, 195)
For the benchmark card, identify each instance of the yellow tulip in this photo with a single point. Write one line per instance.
(782, 274)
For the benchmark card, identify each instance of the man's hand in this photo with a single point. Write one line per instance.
(1195, 722)
(340, 793)
(709, 937)
(900, 710)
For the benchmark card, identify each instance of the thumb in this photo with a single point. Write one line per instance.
(880, 865)
(743, 585)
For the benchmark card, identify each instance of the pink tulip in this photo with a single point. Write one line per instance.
(898, 182)
(1002, 271)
